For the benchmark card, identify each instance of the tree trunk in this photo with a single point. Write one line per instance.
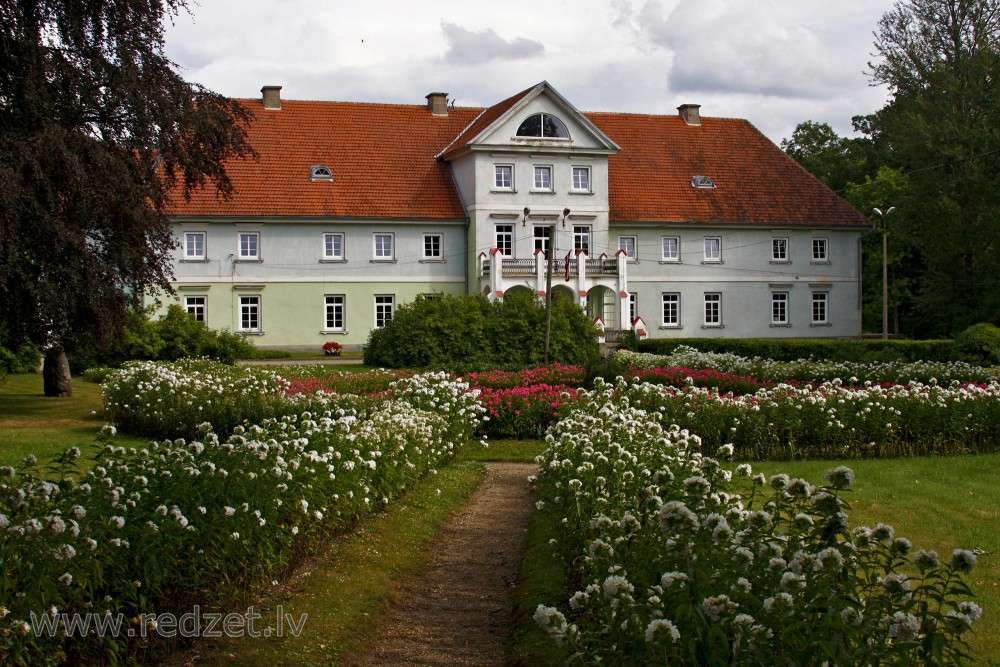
(55, 373)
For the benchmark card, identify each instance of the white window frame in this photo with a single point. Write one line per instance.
(582, 238)
(544, 171)
(779, 250)
(331, 304)
(820, 317)
(633, 306)
(251, 307)
(507, 234)
(542, 238)
(498, 181)
(376, 249)
(197, 304)
(252, 246)
(635, 247)
(581, 180)
(712, 314)
(779, 308)
(436, 255)
(384, 303)
(664, 255)
(670, 317)
(195, 256)
(820, 251)
(713, 249)
(334, 257)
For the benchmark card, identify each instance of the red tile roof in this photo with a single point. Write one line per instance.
(381, 156)
(650, 178)
(383, 161)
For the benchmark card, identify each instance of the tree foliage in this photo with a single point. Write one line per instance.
(833, 159)
(941, 62)
(97, 132)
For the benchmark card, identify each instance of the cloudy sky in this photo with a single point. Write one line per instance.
(774, 62)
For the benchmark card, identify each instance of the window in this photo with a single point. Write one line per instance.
(581, 179)
(779, 307)
(334, 315)
(383, 246)
(249, 246)
(333, 247)
(713, 249)
(505, 240)
(581, 239)
(627, 243)
(503, 177)
(250, 313)
(779, 250)
(319, 172)
(432, 246)
(543, 178)
(671, 249)
(194, 245)
(543, 235)
(196, 306)
(671, 309)
(633, 306)
(543, 125)
(819, 308)
(820, 251)
(385, 304)
(713, 309)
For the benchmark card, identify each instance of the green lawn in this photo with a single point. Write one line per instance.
(30, 423)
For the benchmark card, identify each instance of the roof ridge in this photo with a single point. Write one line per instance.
(510, 102)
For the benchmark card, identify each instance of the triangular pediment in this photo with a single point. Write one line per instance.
(538, 119)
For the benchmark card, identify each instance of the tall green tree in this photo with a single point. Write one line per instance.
(833, 159)
(97, 132)
(940, 60)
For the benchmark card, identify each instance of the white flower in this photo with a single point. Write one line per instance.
(902, 626)
(963, 560)
(661, 628)
(66, 579)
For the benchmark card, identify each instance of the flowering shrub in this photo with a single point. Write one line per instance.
(723, 382)
(680, 562)
(832, 420)
(332, 348)
(210, 520)
(554, 374)
(807, 370)
(523, 412)
(170, 399)
(311, 379)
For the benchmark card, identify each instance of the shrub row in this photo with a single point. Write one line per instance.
(207, 522)
(675, 561)
(860, 351)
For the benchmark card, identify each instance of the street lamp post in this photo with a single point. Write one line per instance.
(885, 268)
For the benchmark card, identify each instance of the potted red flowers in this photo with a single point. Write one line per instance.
(332, 349)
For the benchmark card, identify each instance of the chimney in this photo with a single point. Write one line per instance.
(271, 96)
(690, 114)
(437, 103)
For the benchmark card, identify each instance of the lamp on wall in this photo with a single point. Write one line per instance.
(524, 220)
(565, 213)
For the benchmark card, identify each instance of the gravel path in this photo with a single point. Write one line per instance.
(458, 610)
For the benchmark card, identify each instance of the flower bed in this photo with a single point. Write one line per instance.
(808, 370)
(208, 521)
(680, 562)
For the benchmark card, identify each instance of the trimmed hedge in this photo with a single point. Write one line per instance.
(469, 333)
(860, 351)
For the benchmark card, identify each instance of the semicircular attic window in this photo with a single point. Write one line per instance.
(544, 126)
(319, 172)
(702, 182)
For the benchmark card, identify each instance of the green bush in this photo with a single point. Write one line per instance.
(468, 333)
(22, 359)
(980, 343)
(861, 351)
(177, 335)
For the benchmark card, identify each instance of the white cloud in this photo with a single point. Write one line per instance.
(775, 62)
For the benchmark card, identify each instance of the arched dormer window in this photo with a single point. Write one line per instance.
(543, 125)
